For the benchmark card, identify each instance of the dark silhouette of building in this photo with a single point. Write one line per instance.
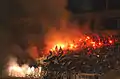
(101, 14)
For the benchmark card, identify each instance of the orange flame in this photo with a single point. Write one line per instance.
(63, 46)
(81, 43)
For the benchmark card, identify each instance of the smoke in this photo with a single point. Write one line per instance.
(54, 20)
(10, 62)
(45, 21)
(13, 69)
(43, 14)
(44, 11)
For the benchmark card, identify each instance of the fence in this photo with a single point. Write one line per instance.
(77, 76)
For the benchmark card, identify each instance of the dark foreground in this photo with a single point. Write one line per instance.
(18, 78)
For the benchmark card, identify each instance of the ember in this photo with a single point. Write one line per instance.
(85, 42)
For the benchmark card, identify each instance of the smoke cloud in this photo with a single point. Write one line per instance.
(42, 22)
(37, 22)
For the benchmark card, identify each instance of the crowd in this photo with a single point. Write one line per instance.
(99, 61)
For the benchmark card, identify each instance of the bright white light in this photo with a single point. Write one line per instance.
(15, 70)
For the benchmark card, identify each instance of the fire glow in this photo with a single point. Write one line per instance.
(84, 42)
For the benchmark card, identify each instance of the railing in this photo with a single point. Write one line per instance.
(76, 76)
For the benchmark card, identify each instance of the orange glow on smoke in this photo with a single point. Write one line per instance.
(63, 46)
(68, 38)
(62, 39)
(59, 46)
(33, 52)
(81, 43)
